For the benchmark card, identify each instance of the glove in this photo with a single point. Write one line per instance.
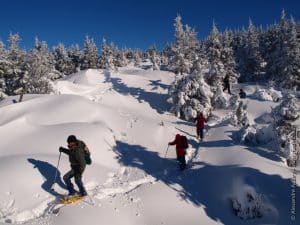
(61, 149)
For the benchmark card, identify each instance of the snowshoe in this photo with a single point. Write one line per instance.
(71, 199)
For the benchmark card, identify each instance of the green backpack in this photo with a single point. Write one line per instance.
(87, 157)
(87, 154)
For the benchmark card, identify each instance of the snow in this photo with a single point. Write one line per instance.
(267, 94)
(119, 115)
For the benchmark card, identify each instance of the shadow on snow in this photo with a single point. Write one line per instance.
(211, 186)
(48, 171)
(157, 101)
(157, 83)
(267, 151)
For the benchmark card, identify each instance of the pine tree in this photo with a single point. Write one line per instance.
(76, 55)
(252, 66)
(63, 62)
(227, 55)
(16, 59)
(214, 50)
(284, 116)
(4, 66)
(239, 51)
(137, 57)
(283, 53)
(154, 57)
(130, 54)
(107, 59)
(191, 94)
(120, 58)
(291, 61)
(221, 64)
(240, 116)
(166, 52)
(39, 68)
(3, 51)
(268, 42)
(90, 56)
(183, 50)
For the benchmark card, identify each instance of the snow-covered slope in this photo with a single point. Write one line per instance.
(123, 118)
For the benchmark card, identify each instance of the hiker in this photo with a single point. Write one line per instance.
(227, 83)
(242, 93)
(200, 120)
(76, 152)
(181, 146)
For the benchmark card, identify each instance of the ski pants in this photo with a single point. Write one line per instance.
(227, 87)
(77, 174)
(200, 132)
(182, 162)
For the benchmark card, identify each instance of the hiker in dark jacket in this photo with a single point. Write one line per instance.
(227, 83)
(76, 152)
(242, 93)
(200, 120)
(180, 150)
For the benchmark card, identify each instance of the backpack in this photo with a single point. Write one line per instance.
(87, 155)
(184, 140)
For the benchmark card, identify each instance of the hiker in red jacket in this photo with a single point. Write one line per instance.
(180, 142)
(200, 120)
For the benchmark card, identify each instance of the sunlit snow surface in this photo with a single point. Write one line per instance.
(123, 118)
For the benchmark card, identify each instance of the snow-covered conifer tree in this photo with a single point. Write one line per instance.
(283, 53)
(220, 64)
(90, 56)
(76, 55)
(63, 62)
(216, 69)
(216, 72)
(3, 51)
(269, 51)
(16, 58)
(252, 64)
(227, 56)
(239, 51)
(137, 58)
(284, 116)
(183, 50)
(39, 68)
(107, 59)
(291, 58)
(191, 94)
(130, 54)
(120, 58)
(240, 116)
(4, 66)
(154, 57)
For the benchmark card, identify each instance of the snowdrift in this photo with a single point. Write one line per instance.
(123, 118)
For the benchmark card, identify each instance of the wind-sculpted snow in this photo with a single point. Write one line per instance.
(123, 118)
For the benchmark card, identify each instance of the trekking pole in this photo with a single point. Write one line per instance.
(166, 151)
(52, 187)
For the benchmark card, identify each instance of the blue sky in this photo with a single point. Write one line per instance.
(130, 23)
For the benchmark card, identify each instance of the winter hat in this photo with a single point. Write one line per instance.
(177, 136)
(71, 138)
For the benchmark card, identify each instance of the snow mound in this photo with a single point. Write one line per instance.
(123, 118)
(247, 203)
(86, 83)
(52, 119)
(267, 94)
